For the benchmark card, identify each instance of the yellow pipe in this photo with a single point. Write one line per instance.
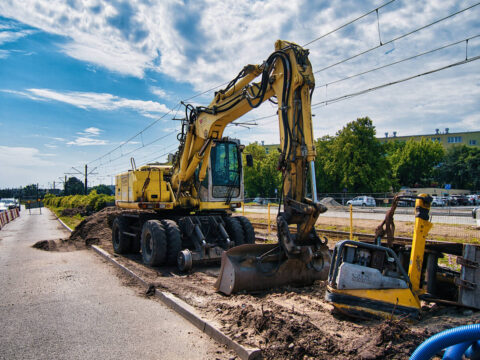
(421, 229)
(351, 222)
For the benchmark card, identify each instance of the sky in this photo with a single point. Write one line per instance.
(81, 79)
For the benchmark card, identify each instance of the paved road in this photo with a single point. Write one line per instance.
(71, 305)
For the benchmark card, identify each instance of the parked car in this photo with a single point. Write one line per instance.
(260, 201)
(362, 201)
(438, 201)
(460, 200)
(3, 206)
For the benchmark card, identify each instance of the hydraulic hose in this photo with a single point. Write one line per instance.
(445, 339)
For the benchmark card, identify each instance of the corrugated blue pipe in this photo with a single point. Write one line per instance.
(455, 352)
(446, 339)
(473, 352)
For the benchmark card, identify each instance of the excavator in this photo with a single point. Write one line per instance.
(182, 212)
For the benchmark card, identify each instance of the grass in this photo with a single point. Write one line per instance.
(70, 221)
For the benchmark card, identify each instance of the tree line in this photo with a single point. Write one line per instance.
(355, 161)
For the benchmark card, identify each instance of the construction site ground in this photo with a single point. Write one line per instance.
(290, 323)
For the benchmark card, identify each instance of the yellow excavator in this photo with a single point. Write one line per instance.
(181, 212)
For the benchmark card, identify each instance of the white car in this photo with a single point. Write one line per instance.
(438, 201)
(362, 201)
(3, 206)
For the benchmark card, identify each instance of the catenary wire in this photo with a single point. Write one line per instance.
(400, 61)
(348, 23)
(395, 39)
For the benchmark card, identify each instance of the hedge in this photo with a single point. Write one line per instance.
(91, 202)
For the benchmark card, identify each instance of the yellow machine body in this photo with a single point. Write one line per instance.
(402, 301)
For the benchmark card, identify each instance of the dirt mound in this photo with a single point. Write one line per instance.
(47, 245)
(330, 202)
(96, 228)
(287, 335)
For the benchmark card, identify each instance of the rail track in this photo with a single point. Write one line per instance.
(454, 248)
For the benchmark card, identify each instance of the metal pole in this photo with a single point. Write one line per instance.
(314, 182)
(268, 228)
(86, 186)
(351, 222)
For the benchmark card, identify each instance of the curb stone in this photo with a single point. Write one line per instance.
(188, 312)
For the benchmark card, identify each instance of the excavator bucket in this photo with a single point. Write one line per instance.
(257, 267)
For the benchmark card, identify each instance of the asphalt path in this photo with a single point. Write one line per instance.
(72, 305)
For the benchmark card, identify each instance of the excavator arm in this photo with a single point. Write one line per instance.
(287, 76)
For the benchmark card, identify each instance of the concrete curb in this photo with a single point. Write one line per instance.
(64, 225)
(188, 312)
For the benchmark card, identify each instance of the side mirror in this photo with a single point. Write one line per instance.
(249, 158)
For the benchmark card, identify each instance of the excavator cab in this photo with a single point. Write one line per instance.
(224, 180)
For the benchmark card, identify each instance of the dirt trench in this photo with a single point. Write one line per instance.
(287, 323)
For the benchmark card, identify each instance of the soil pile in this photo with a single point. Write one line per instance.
(286, 335)
(330, 202)
(47, 245)
(96, 228)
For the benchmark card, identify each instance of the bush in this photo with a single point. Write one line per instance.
(90, 202)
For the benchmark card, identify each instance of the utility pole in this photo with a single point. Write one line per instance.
(86, 179)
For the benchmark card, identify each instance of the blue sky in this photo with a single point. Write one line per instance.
(78, 78)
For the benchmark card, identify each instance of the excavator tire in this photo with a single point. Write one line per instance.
(154, 243)
(174, 240)
(248, 232)
(235, 230)
(121, 242)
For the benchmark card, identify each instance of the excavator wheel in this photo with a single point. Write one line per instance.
(248, 231)
(154, 243)
(235, 230)
(174, 241)
(121, 242)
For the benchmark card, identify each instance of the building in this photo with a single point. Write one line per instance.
(446, 138)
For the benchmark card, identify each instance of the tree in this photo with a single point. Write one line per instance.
(263, 177)
(102, 189)
(413, 164)
(460, 168)
(327, 177)
(356, 160)
(74, 186)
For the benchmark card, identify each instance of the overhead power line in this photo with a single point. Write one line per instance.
(400, 61)
(348, 23)
(397, 38)
(349, 96)
(310, 42)
(134, 136)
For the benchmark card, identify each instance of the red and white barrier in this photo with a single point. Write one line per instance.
(8, 215)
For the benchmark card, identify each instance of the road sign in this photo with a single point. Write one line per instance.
(448, 186)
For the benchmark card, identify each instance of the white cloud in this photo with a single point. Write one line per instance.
(12, 36)
(87, 141)
(92, 131)
(16, 157)
(205, 43)
(91, 100)
(88, 137)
